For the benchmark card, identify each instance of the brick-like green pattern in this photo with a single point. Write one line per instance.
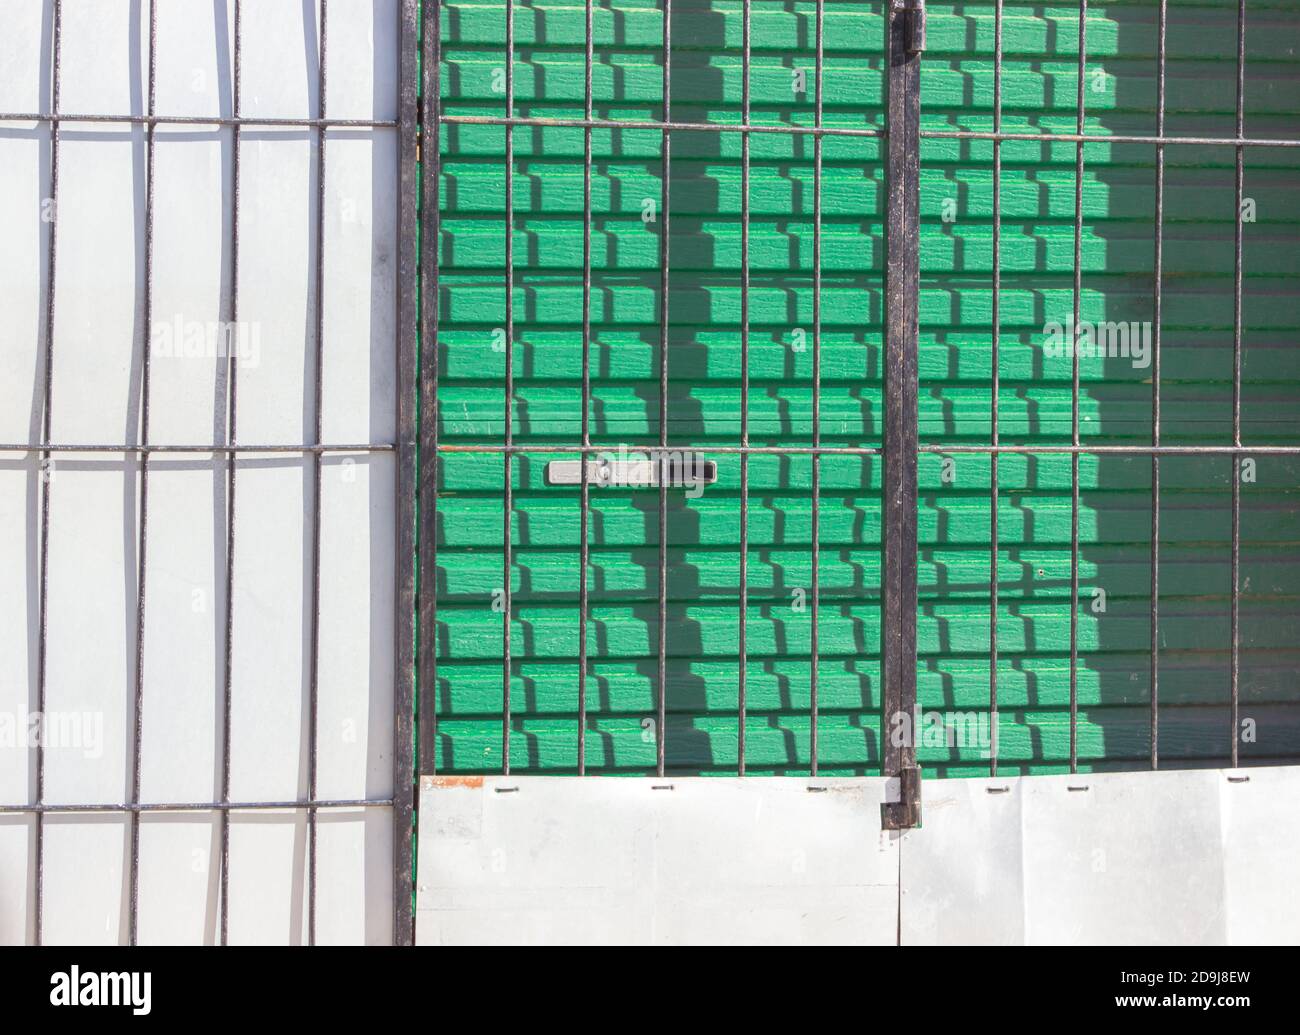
(1037, 262)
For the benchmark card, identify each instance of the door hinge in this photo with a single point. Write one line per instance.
(913, 14)
(905, 813)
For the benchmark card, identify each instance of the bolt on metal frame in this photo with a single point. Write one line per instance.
(232, 449)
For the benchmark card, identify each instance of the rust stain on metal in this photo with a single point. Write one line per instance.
(453, 781)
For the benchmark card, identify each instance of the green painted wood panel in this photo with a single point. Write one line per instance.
(1034, 492)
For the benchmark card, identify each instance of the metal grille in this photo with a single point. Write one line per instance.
(233, 449)
(438, 124)
(1234, 451)
(904, 136)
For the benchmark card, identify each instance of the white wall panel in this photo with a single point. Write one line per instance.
(556, 860)
(98, 346)
(105, 57)
(24, 188)
(184, 631)
(85, 900)
(1171, 857)
(1260, 816)
(1189, 857)
(180, 880)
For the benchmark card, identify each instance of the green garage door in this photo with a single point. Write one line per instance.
(787, 333)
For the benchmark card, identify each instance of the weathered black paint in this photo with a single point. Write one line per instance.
(405, 539)
(900, 368)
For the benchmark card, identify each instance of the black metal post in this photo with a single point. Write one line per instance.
(430, 138)
(906, 39)
(407, 474)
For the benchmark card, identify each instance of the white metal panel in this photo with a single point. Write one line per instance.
(184, 631)
(195, 59)
(269, 734)
(1260, 810)
(268, 877)
(1170, 857)
(1134, 859)
(105, 67)
(90, 662)
(24, 214)
(355, 879)
(179, 879)
(361, 245)
(962, 880)
(19, 485)
(547, 860)
(17, 879)
(22, 45)
(355, 721)
(280, 51)
(85, 879)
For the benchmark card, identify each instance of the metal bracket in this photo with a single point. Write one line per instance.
(906, 812)
(913, 12)
(635, 470)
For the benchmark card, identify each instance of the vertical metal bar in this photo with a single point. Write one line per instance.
(741, 703)
(816, 391)
(430, 360)
(1074, 402)
(993, 395)
(1155, 387)
(664, 259)
(313, 658)
(47, 476)
(585, 512)
(137, 726)
(1236, 380)
(405, 540)
(902, 284)
(507, 551)
(232, 385)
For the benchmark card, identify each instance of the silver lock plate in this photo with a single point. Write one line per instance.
(635, 470)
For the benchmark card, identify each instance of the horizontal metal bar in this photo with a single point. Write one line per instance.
(199, 120)
(650, 124)
(1135, 450)
(853, 131)
(63, 447)
(202, 806)
(1095, 138)
(1138, 450)
(447, 447)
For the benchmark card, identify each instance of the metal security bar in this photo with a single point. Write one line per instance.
(233, 450)
(902, 138)
(906, 35)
